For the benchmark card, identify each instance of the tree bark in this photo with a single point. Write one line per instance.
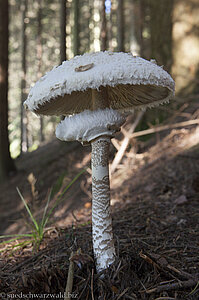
(39, 59)
(141, 26)
(24, 133)
(161, 31)
(103, 33)
(134, 35)
(120, 25)
(76, 42)
(62, 30)
(111, 27)
(6, 163)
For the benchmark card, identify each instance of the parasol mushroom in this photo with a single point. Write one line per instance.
(92, 91)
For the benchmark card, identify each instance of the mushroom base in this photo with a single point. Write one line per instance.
(103, 244)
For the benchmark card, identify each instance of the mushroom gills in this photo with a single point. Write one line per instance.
(120, 97)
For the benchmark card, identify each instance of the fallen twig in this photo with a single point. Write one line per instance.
(173, 286)
(69, 285)
(165, 127)
(124, 291)
(181, 273)
(83, 290)
(115, 144)
(165, 298)
(92, 275)
(125, 143)
(162, 264)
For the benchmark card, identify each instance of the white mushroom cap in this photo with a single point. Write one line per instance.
(89, 125)
(131, 82)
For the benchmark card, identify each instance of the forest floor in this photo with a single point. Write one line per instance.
(155, 209)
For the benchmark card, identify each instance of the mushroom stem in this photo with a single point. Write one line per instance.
(103, 245)
(100, 98)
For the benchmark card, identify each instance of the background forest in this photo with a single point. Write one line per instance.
(43, 33)
(45, 184)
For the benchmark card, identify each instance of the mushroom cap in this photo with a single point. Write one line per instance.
(89, 125)
(131, 82)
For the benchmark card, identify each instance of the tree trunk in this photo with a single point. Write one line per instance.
(24, 134)
(111, 27)
(185, 46)
(39, 38)
(161, 31)
(141, 27)
(134, 30)
(103, 33)
(6, 163)
(39, 58)
(63, 30)
(91, 26)
(120, 26)
(76, 42)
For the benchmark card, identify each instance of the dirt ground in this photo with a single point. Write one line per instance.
(155, 209)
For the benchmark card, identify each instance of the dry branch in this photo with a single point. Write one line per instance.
(173, 286)
(125, 143)
(69, 285)
(115, 144)
(92, 279)
(164, 127)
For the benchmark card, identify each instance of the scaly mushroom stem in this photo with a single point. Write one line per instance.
(103, 245)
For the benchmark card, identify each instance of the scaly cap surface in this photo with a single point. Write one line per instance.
(131, 82)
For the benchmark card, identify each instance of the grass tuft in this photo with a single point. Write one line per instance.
(38, 228)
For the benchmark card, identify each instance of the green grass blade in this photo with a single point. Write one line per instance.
(57, 186)
(62, 194)
(16, 235)
(22, 244)
(28, 210)
(195, 288)
(53, 191)
(71, 183)
(45, 211)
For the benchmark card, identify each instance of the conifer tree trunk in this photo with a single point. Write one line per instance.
(103, 33)
(110, 28)
(39, 58)
(161, 31)
(91, 25)
(62, 30)
(120, 25)
(62, 17)
(76, 42)
(141, 27)
(134, 29)
(6, 163)
(24, 134)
